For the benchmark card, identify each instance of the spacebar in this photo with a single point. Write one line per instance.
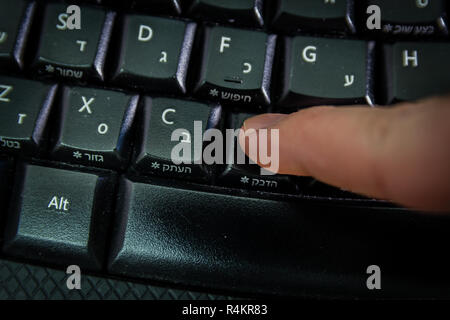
(257, 245)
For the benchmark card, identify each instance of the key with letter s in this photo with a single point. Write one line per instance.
(73, 42)
(326, 71)
(94, 127)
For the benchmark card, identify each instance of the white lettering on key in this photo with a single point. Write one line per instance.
(247, 67)
(309, 56)
(21, 117)
(9, 143)
(102, 128)
(4, 92)
(59, 203)
(224, 43)
(86, 105)
(69, 73)
(163, 116)
(145, 33)
(163, 58)
(71, 19)
(349, 79)
(63, 21)
(421, 3)
(407, 58)
(82, 45)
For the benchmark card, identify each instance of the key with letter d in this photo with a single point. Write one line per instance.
(24, 113)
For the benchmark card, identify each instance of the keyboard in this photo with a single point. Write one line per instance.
(91, 92)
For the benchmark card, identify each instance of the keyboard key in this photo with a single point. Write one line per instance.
(170, 7)
(59, 217)
(15, 21)
(242, 12)
(333, 16)
(154, 54)
(236, 66)
(71, 51)
(248, 175)
(6, 166)
(326, 71)
(410, 17)
(416, 70)
(94, 127)
(24, 112)
(285, 247)
(160, 117)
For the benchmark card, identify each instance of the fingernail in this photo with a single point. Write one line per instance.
(263, 121)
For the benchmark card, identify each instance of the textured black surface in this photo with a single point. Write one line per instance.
(22, 281)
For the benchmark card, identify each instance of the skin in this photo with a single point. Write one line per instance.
(399, 153)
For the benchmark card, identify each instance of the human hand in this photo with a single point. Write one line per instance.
(399, 153)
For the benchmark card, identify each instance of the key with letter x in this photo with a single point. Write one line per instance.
(94, 127)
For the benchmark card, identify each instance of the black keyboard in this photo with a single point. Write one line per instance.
(87, 109)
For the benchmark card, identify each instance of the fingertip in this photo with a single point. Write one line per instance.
(263, 121)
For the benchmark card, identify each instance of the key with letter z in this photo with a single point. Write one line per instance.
(24, 111)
